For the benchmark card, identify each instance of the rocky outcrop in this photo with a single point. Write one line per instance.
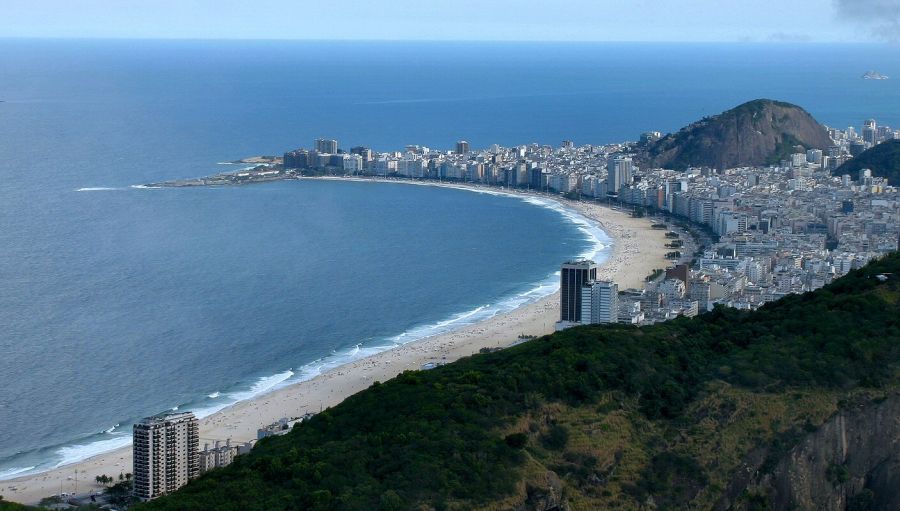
(851, 462)
(547, 497)
(759, 132)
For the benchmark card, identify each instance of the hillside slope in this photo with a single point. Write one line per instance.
(759, 132)
(688, 414)
(883, 160)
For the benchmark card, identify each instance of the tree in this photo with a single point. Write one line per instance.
(391, 501)
(49, 501)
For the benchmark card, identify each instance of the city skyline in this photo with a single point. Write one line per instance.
(463, 20)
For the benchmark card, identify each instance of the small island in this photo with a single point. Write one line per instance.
(874, 75)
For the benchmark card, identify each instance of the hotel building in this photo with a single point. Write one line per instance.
(165, 454)
(573, 276)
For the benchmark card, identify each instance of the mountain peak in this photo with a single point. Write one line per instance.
(758, 132)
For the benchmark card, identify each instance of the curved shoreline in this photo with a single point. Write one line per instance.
(240, 420)
(87, 447)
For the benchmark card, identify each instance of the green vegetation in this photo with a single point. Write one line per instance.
(785, 148)
(120, 494)
(50, 501)
(883, 160)
(11, 506)
(617, 414)
(757, 106)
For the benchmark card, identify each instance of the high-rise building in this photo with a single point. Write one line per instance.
(620, 172)
(297, 159)
(165, 454)
(869, 131)
(814, 156)
(865, 175)
(327, 146)
(462, 147)
(365, 152)
(599, 302)
(573, 276)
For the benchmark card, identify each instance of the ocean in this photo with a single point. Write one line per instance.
(116, 302)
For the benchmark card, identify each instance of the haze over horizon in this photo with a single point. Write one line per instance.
(461, 20)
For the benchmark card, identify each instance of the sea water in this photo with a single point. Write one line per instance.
(118, 302)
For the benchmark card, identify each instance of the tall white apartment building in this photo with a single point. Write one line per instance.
(620, 172)
(599, 302)
(165, 454)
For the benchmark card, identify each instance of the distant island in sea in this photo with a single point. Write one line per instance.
(874, 75)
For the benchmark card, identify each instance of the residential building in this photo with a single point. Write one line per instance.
(219, 455)
(599, 302)
(165, 454)
(326, 146)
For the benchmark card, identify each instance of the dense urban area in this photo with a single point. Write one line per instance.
(739, 237)
(758, 233)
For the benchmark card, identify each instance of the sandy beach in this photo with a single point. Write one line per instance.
(637, 251)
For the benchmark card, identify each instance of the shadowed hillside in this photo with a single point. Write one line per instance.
(883, 160)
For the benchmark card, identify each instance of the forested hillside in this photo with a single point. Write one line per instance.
(883, 160)
(692, 413)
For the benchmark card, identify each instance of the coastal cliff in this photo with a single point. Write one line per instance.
(850, 462)
(759, 132)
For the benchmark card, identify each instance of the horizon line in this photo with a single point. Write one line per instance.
(765, 42)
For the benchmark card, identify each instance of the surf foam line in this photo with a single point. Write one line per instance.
(598, 250)
(601, 243)
(13, 472)
(110, 440)
(80, 452)
(49, 458)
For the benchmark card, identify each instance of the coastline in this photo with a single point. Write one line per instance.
(637, 250)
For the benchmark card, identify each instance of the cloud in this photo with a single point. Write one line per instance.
(880, 17)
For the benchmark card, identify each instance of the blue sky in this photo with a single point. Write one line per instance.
(516, 20)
